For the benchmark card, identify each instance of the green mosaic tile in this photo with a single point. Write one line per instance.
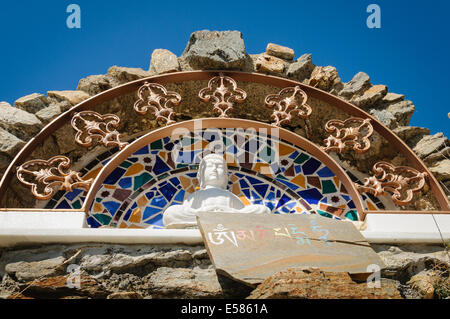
(328, 187)
(324, 214)
(141, 180)
(125, 164)
(156, 145)
(352, 215)
(77, 204)
(301, 158)
(103, 219)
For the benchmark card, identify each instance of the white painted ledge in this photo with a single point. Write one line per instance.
(42, 220)
(27, 228)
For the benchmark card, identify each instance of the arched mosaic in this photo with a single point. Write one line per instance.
(262, 170)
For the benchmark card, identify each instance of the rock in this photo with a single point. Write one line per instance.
(317, 284)
(94, 84)
(65, 139)
(424, 284)
(22, 124)
(441, 170)
(184, 283)
(435, 157)
(269, 64)
(385, 117)
(10, 144)
(301, 69)
(370, 96)
(73, 97)
(120, 75)
(359, 84)
(403, 262)
(28, 271)
(325, 78)
(411, 134)
(49, 113)
(4, 161)
(32, 103)
(164, 61)
(280, 51)
(393, 98)
(430, 144)
(125, 295)
(57, 287)
(402, 111)
(208, 50)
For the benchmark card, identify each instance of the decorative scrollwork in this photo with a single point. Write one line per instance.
(401, 181)
(285, 107)
(50, 175)
(90, 125)
(222, 96)
(159, 100)
(352, 133)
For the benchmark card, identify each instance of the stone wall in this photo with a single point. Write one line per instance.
(115, 271)
(155, 271)
(223, 50)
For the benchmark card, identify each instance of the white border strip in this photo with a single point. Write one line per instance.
(27, 228)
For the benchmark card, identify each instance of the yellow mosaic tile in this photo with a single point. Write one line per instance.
(299, 180)
(136, 216)
(134, 169)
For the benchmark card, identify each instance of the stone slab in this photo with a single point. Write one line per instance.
(250, 248)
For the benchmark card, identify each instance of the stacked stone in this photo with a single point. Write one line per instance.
(181, 271)
(225, 50)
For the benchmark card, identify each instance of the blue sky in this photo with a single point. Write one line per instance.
(410, 53)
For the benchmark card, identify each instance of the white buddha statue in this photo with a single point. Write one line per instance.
(212, 196)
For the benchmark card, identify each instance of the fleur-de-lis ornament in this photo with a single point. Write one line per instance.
(285, 105)
(223, 92)
(50, 175)
(401, 181)
(160, 101)
(90, 126)
(352, 133)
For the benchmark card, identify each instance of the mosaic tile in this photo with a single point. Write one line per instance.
(164, 173)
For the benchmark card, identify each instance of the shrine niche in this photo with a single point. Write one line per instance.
(128, 179)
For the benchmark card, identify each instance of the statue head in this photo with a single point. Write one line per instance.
(213, 171)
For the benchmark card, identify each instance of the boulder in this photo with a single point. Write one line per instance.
(430, 144)
(359, 84)
(268, 64)
(441, 170)
(280, 51)
(385, 117)
(73, 97)
(164, 61)
(184, 283)
(393, 98)
(440, 155)
(325, 78)
(22, 124)
(402, 111)
(120, 75)
(28, 271)
(208, 50)
(317, 284)
(10, 144)
(49, 113)
(411, 134)
(32, 103)
(301, 69)
(94, 84)
(370, 96)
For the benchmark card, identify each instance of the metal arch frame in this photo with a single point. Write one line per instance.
(284, 134)
(130, 87)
